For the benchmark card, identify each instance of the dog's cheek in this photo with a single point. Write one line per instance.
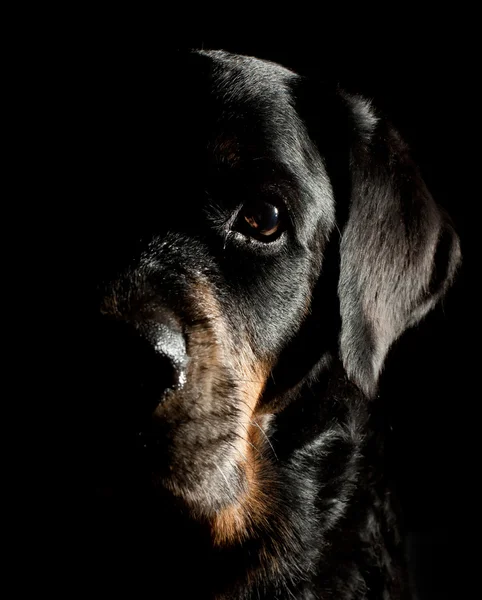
(270, 308)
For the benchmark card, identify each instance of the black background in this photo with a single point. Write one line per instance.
(423, 75)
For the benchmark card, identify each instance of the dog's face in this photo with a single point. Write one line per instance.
(214, 272)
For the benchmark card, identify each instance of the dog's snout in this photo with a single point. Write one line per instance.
(139, 362)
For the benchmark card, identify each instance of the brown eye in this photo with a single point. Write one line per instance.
(263, 219)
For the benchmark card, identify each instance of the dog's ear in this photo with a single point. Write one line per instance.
(398, 250)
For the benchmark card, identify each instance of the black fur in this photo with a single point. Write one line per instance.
(236, 440)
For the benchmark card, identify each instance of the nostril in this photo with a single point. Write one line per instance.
(167, 341)
(156, 362)
(138, 364)
(159, 376)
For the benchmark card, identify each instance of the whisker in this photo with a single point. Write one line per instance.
(260, 381)
(243, 456)
(224, 476)
(265, 437)
(248, 406)
(256, 424)
(246, 439)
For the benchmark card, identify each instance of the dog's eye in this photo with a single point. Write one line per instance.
(262, 220)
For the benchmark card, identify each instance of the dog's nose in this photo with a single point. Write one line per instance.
(166, 341)
(138, 363)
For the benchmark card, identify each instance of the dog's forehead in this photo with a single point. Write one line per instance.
(232, 103)
(248, 79)
(238, 115)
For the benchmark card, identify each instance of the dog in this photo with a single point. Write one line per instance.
(272, 243)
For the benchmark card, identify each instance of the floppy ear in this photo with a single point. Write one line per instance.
(398, 250)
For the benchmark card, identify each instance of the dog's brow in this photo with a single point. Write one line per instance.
(260, 176)
(268, 172)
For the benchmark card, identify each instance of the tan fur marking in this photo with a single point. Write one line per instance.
(240, 520)
(251, 512)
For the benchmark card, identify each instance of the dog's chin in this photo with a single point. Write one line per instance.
(212, 493)
(196, 448)
(146, 466)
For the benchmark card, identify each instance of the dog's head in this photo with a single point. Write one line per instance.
(253, 179)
